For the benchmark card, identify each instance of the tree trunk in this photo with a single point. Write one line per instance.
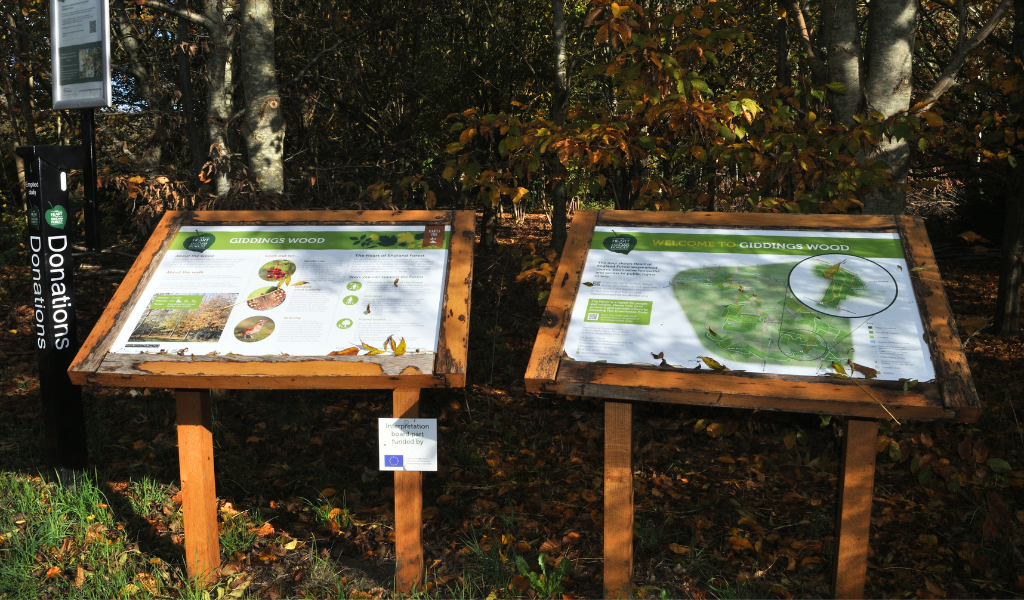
(264, 119)
(218, 94)
(24, 80)
(19, 163)
(1007, 321)
(892, 25)
(840, 37)
(782, 51)
(195, 142)
(560, 100)
(149, 89)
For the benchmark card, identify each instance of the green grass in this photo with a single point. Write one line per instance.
(62, 542)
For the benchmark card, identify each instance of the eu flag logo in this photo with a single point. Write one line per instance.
(394, 460)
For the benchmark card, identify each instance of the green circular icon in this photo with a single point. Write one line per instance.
(344, 323)
(353, 286)
(350, 300)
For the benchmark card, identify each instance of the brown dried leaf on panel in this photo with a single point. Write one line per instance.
(353, 351)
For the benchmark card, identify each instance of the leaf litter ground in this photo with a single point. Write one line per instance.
(729, 503)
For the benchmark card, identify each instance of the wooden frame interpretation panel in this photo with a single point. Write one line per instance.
(951, 395)
(931, 381)
(96, 364)
(412, 240)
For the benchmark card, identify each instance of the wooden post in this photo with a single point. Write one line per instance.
(408, 507)
(198, 493)
(618, 499)
(856, 481)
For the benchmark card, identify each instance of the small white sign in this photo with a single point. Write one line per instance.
(408, 444)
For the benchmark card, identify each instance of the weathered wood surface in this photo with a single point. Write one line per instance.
(453, 343)
(408, 507)
(643, 218)
(91, 354)
(255, 372)
(951, 369)
(856, 488)
(753, 391)
(618, 500)
(198, 490)
(547, 350)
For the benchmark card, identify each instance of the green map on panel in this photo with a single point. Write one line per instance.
(748, 314)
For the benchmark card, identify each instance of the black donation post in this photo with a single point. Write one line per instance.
(47, 169)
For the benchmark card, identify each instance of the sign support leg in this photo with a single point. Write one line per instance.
(408, 507)
(618, 500)
(856, 481)
(198, 493)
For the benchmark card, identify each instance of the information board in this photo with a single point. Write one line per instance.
(293, 290)
(762, 301)
(80, 53)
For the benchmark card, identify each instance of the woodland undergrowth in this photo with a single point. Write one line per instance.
(729, 503)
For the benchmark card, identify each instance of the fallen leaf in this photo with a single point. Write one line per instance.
(867, 372)
(714, 364)
(263, 530)
(678, 549)
(739, 543)
(353, 351)
(52, 572)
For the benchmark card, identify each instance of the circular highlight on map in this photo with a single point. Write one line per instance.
(842, 285)
(802, 345)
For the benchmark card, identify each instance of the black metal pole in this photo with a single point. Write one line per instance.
(53, 304)
(91, 205)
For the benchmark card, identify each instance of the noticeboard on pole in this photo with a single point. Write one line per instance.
(80, 42)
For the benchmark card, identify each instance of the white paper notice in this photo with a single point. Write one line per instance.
(407, 444)
(782, 302)
(300, 291)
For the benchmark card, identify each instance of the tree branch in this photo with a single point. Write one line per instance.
(816, 64)
(948, 77)
(197, 18)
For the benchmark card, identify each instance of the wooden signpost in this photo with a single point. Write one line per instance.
(289, 300)
(828, 314)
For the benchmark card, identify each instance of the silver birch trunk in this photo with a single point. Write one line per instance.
(888, 86)
(560, 100)
(218, 94)
(263, 116)
(840, 38)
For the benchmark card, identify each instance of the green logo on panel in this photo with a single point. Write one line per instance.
(199, 242)
(353, 286)
(344, 323)
(33, 217)
(57, 217)
(350, 300)
(621, 243)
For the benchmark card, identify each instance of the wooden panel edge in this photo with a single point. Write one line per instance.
(453, 335)
(547, 348)
(251, 382)
(861, 409)
(643, 218)
(951, 369)
(100, 338)
(319, 216)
